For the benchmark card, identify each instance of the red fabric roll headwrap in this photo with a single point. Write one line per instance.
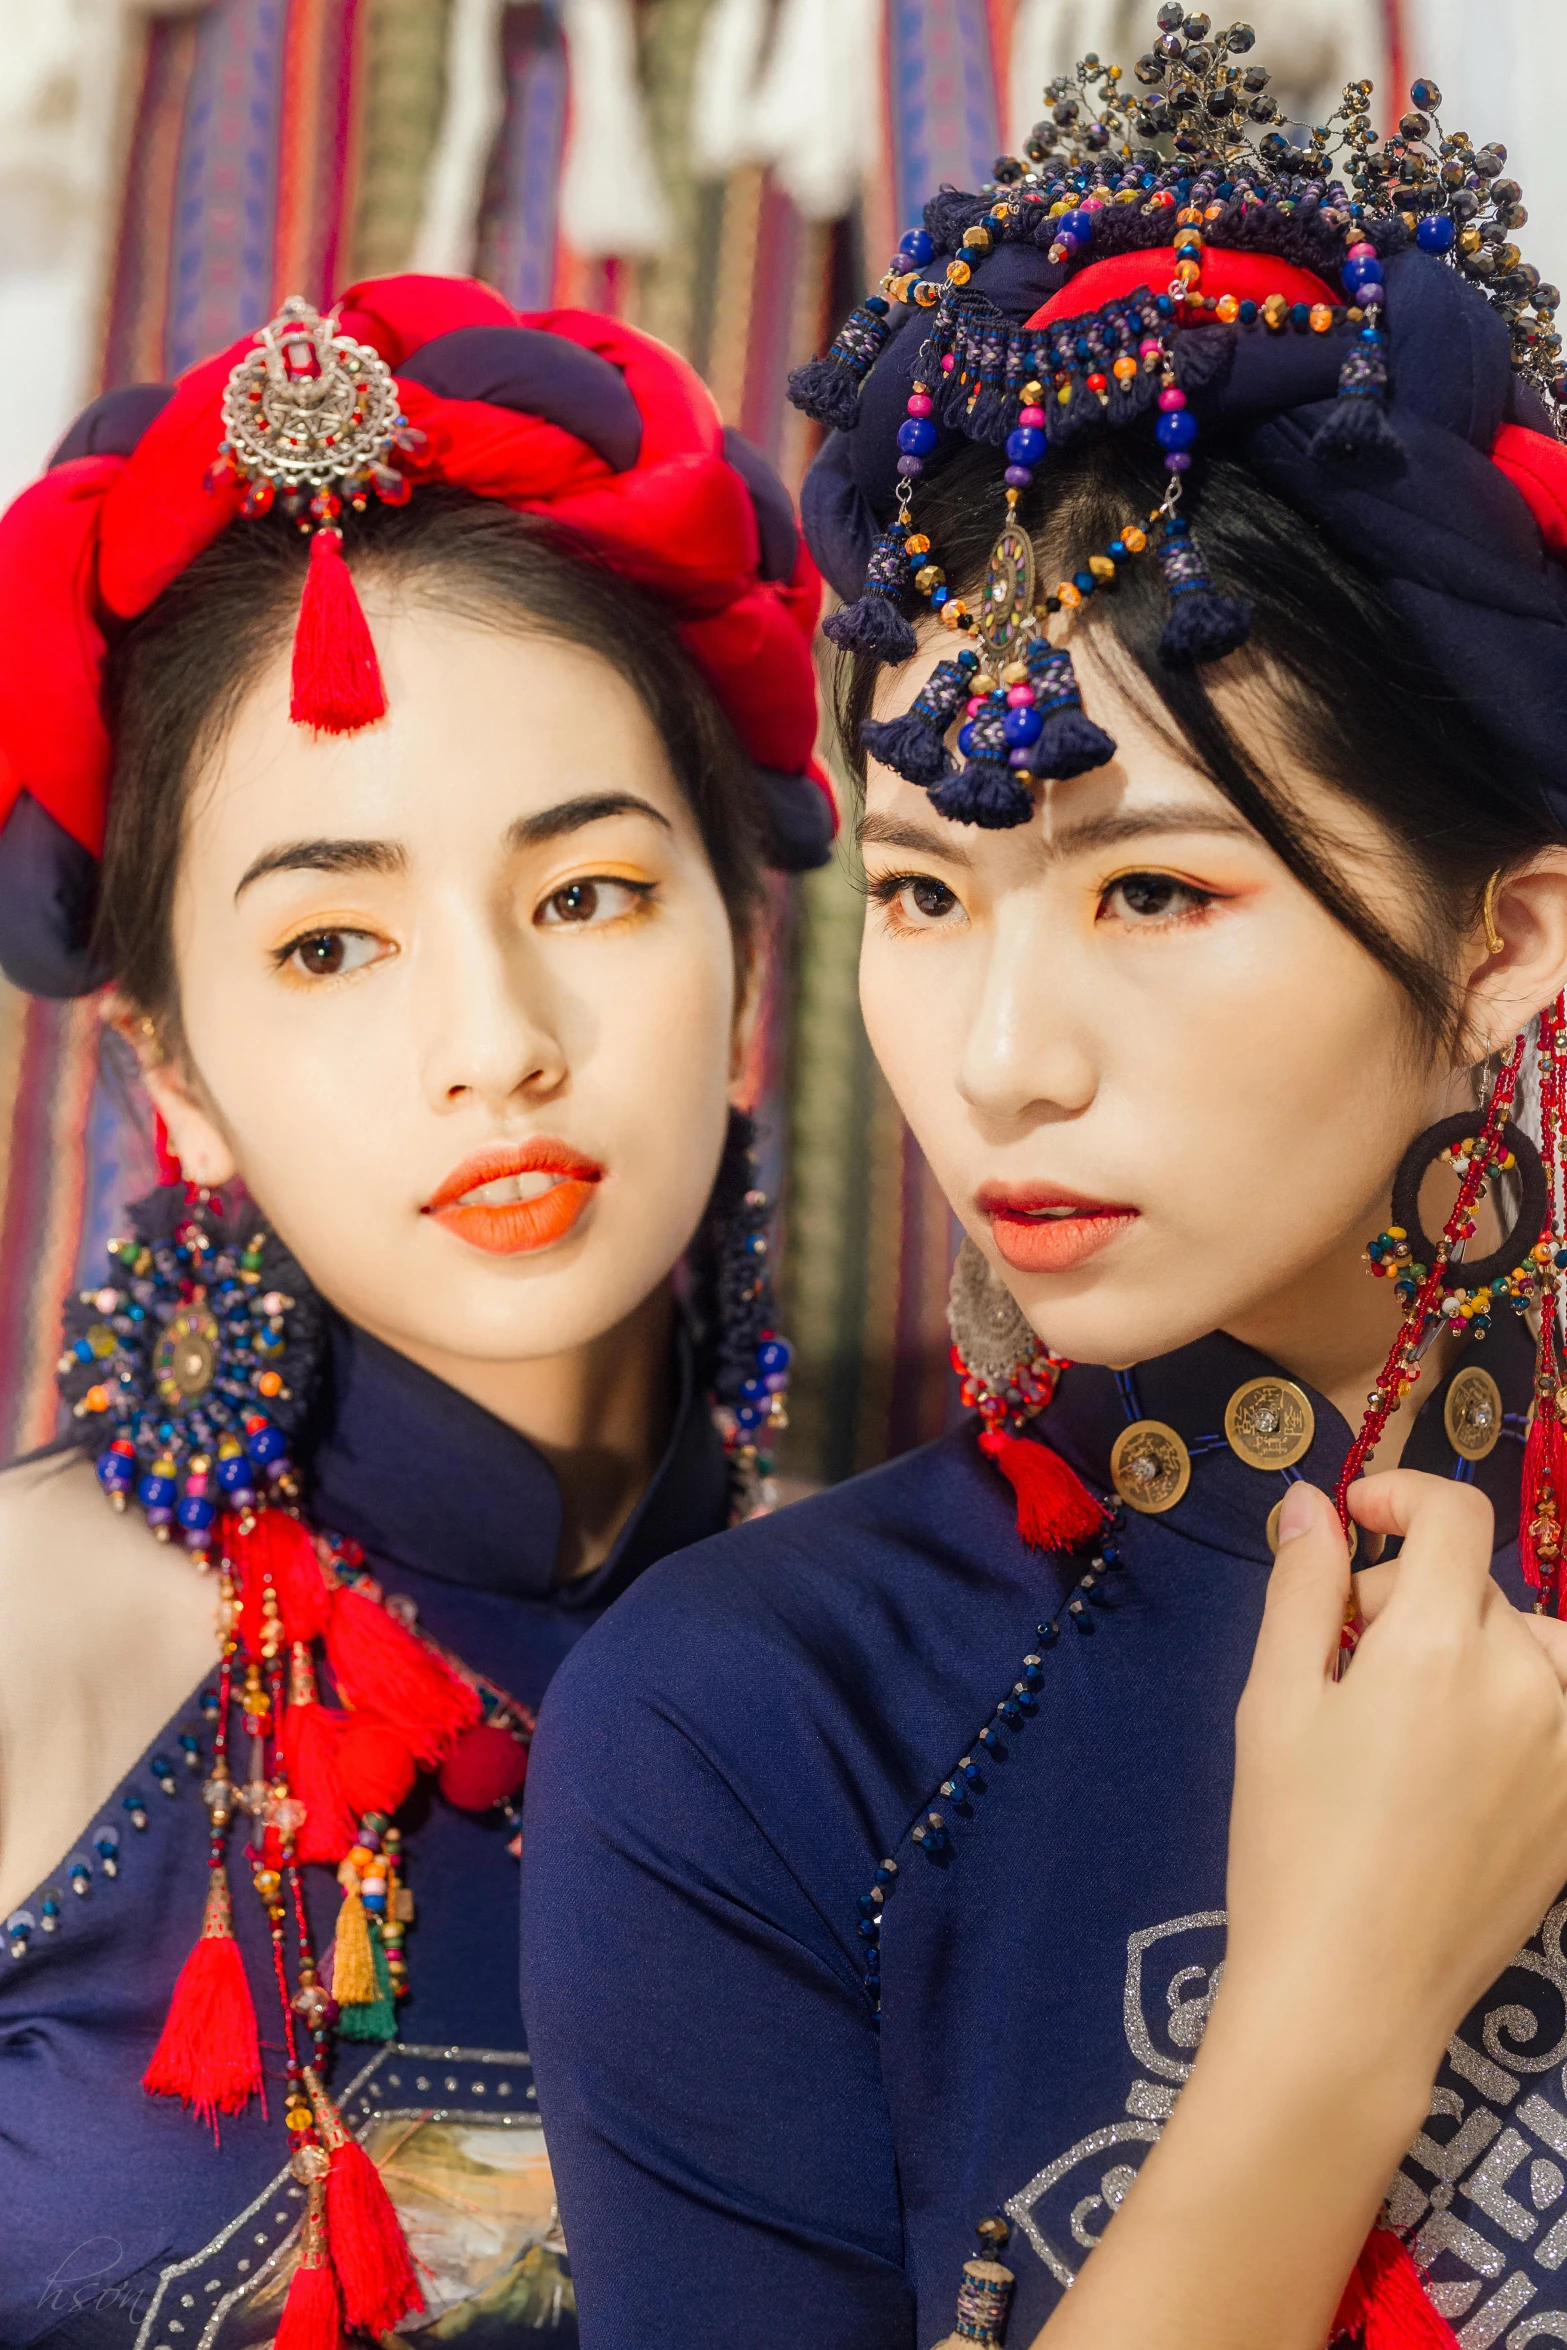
(99, 538)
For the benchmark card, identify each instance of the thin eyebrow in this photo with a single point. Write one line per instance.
(572, 815)
(326, 856)
(1111, 831)
(891, 832)
(1094, 832)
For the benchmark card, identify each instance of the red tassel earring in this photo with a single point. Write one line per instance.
(208, 2053)
(1008, 1378)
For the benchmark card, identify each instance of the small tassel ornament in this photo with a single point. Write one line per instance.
(1357, 427)
(353, 1963)
(374, 2018)
(271, 1547)
(984, 791)
(1202, 626)
(1055, 1510)
(337, 686)
(311, 1739)
(369, 2251)
(1384, 2306)
(828, 390)
(313, 2313)
(915, 746)
(1068, 742)
(382, 1666)
(1544, 1494)
(873, 624)
(208, 2054)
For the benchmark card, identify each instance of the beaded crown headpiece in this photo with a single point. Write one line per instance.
(1173, 249)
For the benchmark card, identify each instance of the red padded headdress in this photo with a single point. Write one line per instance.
(557, 412)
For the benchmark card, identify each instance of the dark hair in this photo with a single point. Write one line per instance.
(1365, 712)
(176, 677)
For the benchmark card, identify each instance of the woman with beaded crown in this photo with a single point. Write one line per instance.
(1198, 499)
(396, 715)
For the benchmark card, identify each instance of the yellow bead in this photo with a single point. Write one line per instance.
(1033, 393)
(915, 544)
(1063, 395)
(930, 575)
(1135, 539)
(1188, 272)
(959, 272)
(298, 2117)
(1275, 310)
(979, 238)
(1068, 595)
(1101, 566)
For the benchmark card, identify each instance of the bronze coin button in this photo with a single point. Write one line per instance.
(1273, 1530)
(1150, 1467)
(1472, 1413)
(1270, 1423)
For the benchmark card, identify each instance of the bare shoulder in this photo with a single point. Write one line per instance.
(104, 1634)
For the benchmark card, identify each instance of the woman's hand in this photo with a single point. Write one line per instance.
(1396, 1834)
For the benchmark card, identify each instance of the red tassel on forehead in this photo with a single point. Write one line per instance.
(337, 685)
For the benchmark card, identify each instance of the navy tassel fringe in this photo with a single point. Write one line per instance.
(984, 792)
(873, 624)
(1068, 743)
(1357, 428)
(914, 746)
(1202, 626)
(828, 390)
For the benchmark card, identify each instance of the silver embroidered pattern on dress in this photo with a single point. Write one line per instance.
(1478, 2197)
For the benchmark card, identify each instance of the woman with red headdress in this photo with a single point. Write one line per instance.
(396, 715)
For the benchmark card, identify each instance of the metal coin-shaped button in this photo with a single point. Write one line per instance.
(1273, 1530)
(1150, 1466)
(1472, 1413)
(1270, 1423)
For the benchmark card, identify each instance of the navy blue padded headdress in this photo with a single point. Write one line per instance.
(1352, 311)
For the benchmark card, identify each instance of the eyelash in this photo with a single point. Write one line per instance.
(283, 955)
(641, 891)
(1196, 905)
(887, 890)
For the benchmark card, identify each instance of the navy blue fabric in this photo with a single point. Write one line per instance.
(1444, 532)
(111, 425)
(770, 502)
(538, 374)
(48, 886)
(721, 1765)
(102, 2186)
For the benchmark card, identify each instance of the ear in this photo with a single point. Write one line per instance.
(196, 1139)
(1506, 988)
(750, 989)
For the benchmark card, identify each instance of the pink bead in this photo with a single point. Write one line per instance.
(1032, 416)
(976, 703)
(1019, 696)
(1174, 397)
(948, 364)
(1362, 252)
(920, 403)
(1149, 349)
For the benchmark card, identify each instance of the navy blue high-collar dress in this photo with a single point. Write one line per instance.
(122, 2226)
(744, 1759)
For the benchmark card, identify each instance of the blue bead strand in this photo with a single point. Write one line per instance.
(966, 1782)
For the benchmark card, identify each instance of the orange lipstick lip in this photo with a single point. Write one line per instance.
(1039, 1229)
(509, 1227)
